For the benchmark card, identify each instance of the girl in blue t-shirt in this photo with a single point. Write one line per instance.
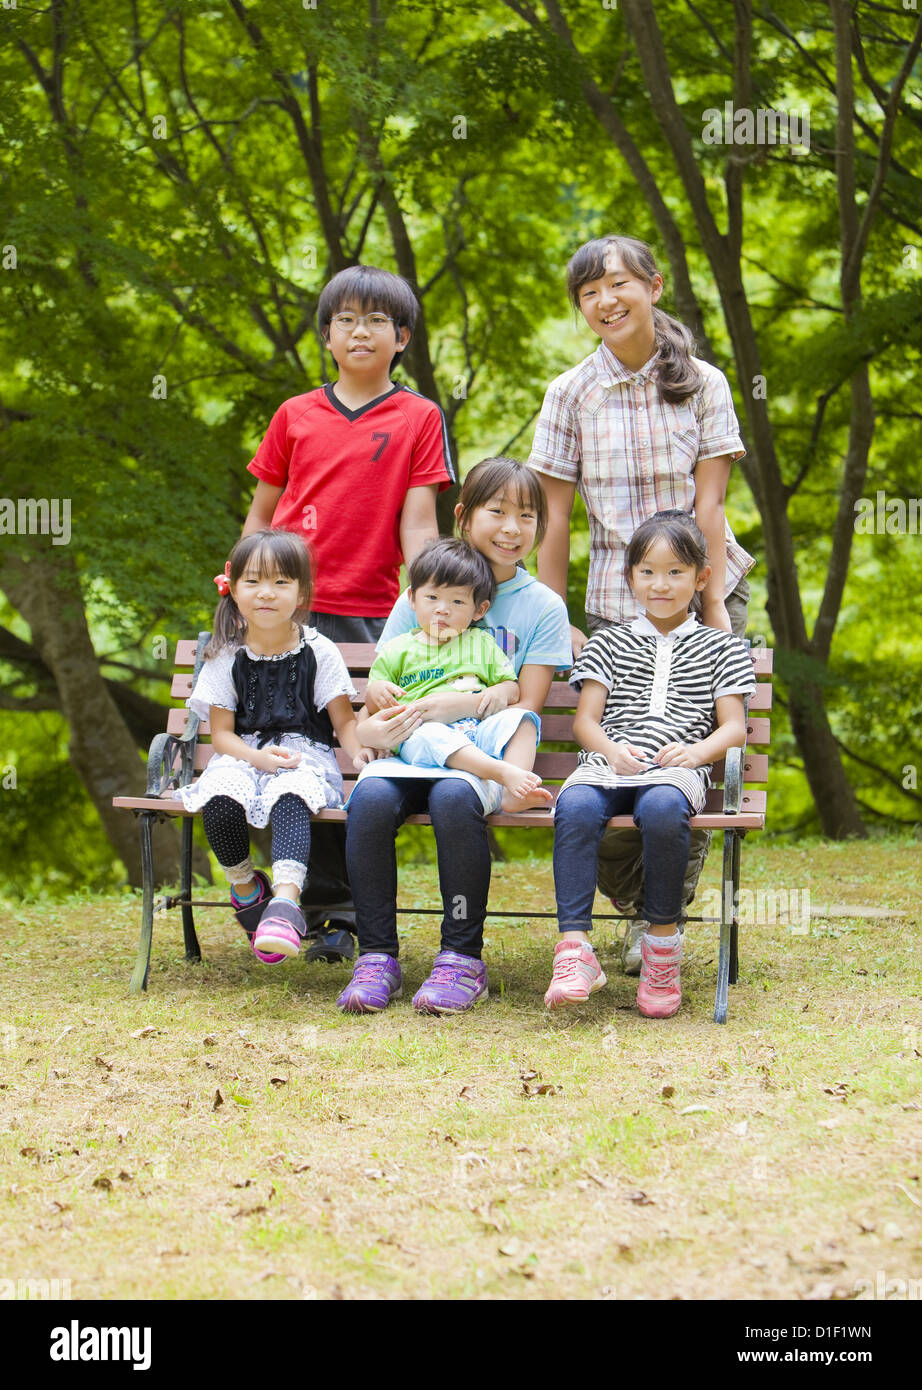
(502, 513)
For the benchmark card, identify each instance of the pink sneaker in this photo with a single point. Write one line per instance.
(577, 974)
(659, 993)
(281, 929)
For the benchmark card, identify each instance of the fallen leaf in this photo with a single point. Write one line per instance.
(546, 1089)
(218, 1100)
(125, 1176)
(249, 1211)
(529, 1075)
(374, 1173)
(696, 1110)
(912, 1105)
(278, 1081)
(829, 1124)
(247, 1182)
(300, 1168)
(59, 1206)
(892, 1231)
(101, 1062)
(490, 1217)
(143, 1032)
(640, 1199)
(867, 1226)
(209, 1040)
(103, 1182)
(739, 1129)
(122, 1131)
(667, 1091)
(69, 1029)
(510, 1247)
(465, 1093)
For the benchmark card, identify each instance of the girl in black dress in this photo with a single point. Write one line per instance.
(274, 692)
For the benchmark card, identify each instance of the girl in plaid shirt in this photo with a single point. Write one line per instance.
(639, 426)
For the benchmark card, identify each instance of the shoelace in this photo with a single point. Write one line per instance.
(660, 974)
(566, 964)
(447, 975)
(368, 970)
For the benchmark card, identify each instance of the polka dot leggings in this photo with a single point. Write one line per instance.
(226, 829)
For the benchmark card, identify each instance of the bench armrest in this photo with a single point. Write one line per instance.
(733, 780)
(161, 774)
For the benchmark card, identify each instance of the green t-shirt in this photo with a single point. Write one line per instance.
(471, 661)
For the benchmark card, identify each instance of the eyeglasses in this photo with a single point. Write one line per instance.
(377, 323)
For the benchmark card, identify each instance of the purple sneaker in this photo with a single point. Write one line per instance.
(375, 981)
(455, 985)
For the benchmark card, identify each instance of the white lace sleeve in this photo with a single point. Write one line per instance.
(332, 677)
(214, 685)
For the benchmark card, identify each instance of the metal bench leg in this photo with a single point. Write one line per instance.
(142, 962)
(193, 950)
(734, 928)
(728, 901)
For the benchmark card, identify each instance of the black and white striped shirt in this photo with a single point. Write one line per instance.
(661, 689)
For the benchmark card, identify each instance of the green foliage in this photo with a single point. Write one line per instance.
(180, 191)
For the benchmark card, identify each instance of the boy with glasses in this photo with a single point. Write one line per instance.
(353, 467)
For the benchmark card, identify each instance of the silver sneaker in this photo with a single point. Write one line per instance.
(630, 946)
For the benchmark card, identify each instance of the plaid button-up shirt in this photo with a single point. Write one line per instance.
(631, 454)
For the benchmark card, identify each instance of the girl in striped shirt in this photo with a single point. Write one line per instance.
(661, 698)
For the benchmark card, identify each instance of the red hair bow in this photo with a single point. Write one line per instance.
(223, 581)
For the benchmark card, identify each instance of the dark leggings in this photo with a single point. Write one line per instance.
(226, 829)
(377, 809)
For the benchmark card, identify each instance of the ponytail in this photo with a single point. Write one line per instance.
(228, 629)
(676, 374)
(677, 377)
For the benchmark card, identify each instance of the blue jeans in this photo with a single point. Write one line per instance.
(377, 809)
(661, 813)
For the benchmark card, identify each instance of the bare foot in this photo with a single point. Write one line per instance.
(537, 800)
(517, 781)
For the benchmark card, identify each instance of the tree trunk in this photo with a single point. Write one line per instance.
(46, 591)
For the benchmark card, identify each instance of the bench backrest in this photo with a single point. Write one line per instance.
(557, 754)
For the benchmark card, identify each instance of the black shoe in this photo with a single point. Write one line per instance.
(333, 943)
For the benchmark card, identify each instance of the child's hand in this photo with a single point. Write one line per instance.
(276, 759)
(678, 755)
(626, 758)
(497, 697)
(365, 756)
(382, 695)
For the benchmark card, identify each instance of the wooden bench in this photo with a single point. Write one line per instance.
(735, 803)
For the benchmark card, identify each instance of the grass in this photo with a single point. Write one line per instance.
(231, 1135)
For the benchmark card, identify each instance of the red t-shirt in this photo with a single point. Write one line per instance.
(346, 474)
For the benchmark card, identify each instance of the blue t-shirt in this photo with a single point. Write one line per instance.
(527, 619)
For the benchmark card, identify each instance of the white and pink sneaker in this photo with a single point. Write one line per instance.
(577, 974)
(659, 993)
